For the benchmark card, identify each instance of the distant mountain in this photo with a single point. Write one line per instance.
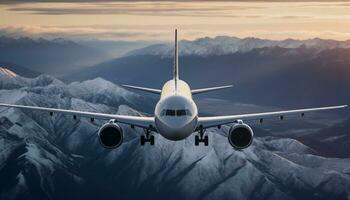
(55, 56)
(333, 141)
(115, 49)
(22, 71)
(57, 157)
(270, 76)
(223, 45)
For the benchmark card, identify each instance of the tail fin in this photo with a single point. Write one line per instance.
(176, 60)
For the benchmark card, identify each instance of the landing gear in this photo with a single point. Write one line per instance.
(201, 138)
(147, 138)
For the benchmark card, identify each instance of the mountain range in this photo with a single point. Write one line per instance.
(269, 76)
(224, 45)
(58, 56)
(48, 56)
(57, 157)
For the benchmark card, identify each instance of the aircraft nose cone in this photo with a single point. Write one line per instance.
(176, 123)
(175, 129)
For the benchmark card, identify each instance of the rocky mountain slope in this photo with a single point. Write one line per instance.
(327, 139)
(56, 157)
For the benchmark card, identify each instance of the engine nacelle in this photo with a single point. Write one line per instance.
(240, 136)
(111, 135)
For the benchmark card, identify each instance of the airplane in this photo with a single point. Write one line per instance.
(175, 116)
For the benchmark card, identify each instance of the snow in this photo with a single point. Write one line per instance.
(222, 45)
(47, 149)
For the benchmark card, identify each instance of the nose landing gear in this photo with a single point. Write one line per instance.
(147, 138)
(200, 137)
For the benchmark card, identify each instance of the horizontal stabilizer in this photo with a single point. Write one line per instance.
(199, 91)
(150, 90)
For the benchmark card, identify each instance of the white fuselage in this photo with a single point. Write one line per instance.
(176, 114)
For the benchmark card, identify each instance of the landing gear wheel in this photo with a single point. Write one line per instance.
(147, 138)
(201, 138)
(206, 140)
(142, 140)
(151, 140)
(196, 140)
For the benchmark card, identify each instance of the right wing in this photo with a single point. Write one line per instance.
(143, 122)
(150, 90)
(203, 90)
(207, 122)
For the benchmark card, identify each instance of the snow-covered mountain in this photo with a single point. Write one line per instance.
(223, 45)
(56, 157)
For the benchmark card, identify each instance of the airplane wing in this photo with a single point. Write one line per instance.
(204, 90)
(207, 122)
(143, 122)
(150, 90)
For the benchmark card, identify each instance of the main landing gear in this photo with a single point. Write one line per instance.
(200, 137)
(147, 138)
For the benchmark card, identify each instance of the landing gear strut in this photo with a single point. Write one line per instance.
(200, 137)
(147, 138)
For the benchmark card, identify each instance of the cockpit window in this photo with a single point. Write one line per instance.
(170, 112)
(180, 112)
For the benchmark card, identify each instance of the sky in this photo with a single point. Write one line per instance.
(156, 20)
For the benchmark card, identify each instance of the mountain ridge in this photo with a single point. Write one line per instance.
(224, 45)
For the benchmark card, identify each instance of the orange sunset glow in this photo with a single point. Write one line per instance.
(152, 20)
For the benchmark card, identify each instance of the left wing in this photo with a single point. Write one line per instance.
(150, 90)
(207, 122)
(143, 122)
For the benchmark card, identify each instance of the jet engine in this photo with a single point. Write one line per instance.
(240, 135)
(111, 135)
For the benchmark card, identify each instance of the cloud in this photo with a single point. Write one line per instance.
(97, 1)
(141, 8)
(295, 17)
(160, 33)
(80, 32)
(148, 20)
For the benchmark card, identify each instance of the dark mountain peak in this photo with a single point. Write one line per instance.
(45, 79)
(290, 40)
(222, 37)
(252, 39)
(202, 39)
